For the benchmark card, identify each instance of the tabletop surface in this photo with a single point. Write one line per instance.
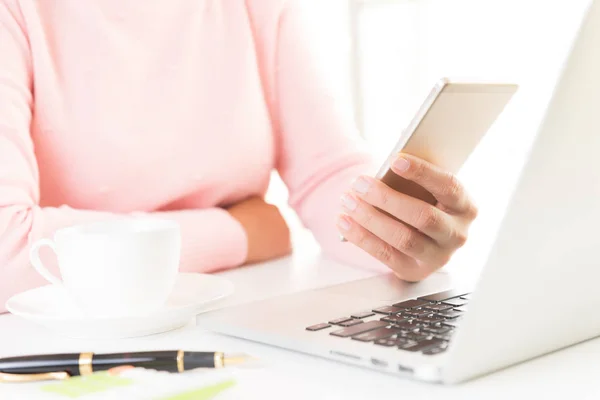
(571, 373)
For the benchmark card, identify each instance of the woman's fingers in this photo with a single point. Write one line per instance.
(411, 236)
(404, 267)
(400, 236)
(424, 217)
(444, 186)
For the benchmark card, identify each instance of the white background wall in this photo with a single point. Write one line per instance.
(406, 45)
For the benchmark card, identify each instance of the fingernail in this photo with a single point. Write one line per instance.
(401, 165)
(343, 223)
(361, 185)
(349, 203)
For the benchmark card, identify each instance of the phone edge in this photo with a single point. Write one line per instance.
(411, 128)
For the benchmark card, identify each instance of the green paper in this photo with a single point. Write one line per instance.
(84, 385)
(101, 381)
(206, 393)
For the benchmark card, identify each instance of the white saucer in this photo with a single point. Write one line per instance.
(50, 306)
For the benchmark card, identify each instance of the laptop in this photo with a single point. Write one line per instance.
(537, 293)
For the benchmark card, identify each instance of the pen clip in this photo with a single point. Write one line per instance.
(22, 378)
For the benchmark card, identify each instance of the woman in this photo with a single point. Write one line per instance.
(182, 109)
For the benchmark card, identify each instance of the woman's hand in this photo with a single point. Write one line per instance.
(266, 229)
(427, 236)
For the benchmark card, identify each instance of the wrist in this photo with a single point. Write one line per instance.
(240, 221)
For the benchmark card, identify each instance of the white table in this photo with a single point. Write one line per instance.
(572, 373)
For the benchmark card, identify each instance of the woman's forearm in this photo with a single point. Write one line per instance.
(211, 240)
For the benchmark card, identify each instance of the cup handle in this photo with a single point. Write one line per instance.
(34, 256)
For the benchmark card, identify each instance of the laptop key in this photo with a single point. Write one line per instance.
(397, 319)
(411, 304)
(413, 313)
(381, 333)
(387, 342)
(358, 329)
(407, 325)
(352, 322)
(338, 321)
(449, 314)
(425, 314)
(430, 320)
(393, 318)
(453, 323)
(455, 302)
(437, 307)
(445, 335)
(364, 314)
(419, 336)
(424, 344)
(392, 342)
(437, 331)
(389, 310)
(318, 327)
(407, 344)
(435, 323)
(448, 294)
(431, 351)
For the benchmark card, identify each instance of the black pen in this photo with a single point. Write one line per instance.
(63, 366)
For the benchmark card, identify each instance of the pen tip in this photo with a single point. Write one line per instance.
(231, 360)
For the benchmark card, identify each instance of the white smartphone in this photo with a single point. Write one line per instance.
(452, 120)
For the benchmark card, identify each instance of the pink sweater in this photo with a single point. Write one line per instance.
(177, 108)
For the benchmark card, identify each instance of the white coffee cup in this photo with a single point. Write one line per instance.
(122, 267)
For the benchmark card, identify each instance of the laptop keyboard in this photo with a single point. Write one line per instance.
(424, 325)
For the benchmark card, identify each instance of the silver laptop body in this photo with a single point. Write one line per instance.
(538, 291)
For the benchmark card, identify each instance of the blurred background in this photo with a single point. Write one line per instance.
(385, 55)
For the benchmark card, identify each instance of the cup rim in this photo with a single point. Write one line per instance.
(94, 229)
